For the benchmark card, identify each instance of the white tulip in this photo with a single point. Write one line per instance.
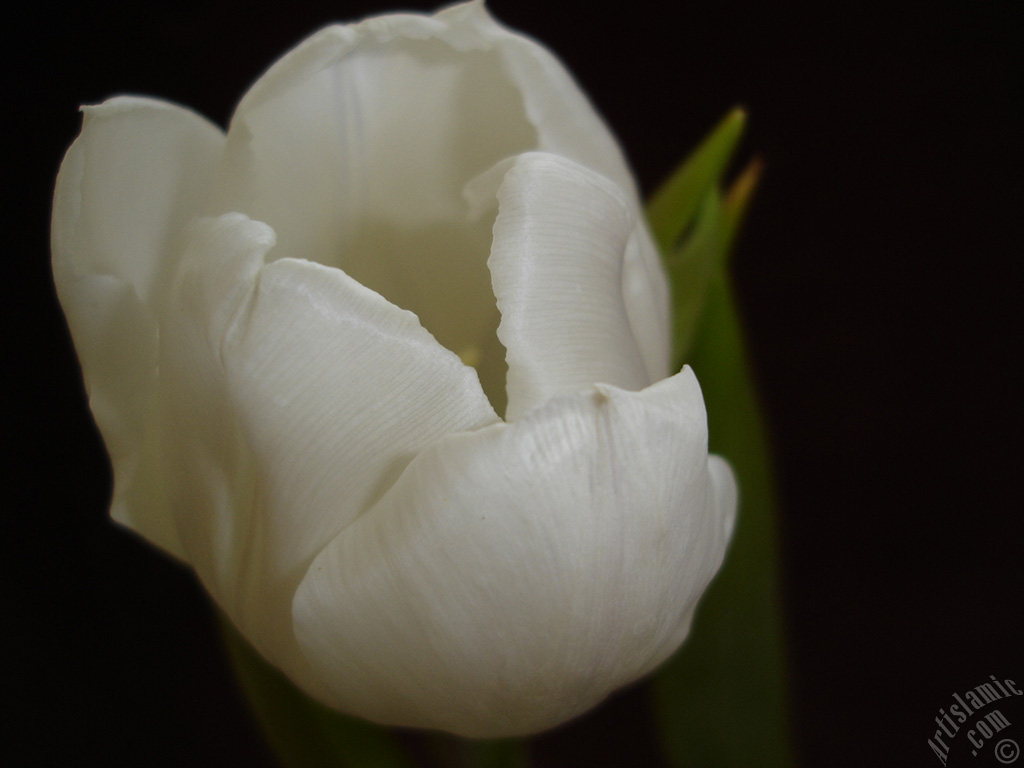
(295, 335)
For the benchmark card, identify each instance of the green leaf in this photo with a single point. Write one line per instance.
(689, 269)
(672, 207)
(691, 265)
(302, 732)
(723, 701)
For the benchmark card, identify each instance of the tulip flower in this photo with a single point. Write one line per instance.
(387, 364)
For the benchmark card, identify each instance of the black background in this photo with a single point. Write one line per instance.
(879, 276)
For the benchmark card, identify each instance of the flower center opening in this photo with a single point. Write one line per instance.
(362, 167)
(439, 273)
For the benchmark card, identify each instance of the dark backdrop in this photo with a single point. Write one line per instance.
(879, 277)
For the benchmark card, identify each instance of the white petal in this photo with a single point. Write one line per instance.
(515, 576)
(646, 293)
(726, 492)
(427, 101)
(137, 171)
(379, 122)
(299, 398)
(556, 265)
(565, 121)
(568, 125)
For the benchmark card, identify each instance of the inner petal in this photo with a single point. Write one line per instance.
(557, 264)
(360, 163)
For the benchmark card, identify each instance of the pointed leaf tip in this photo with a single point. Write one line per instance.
(673, 206)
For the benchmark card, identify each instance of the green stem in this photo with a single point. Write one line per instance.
(723, 700)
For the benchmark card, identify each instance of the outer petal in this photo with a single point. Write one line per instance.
(297, 398)
(139, 169)
(514, 576)
(556, 265)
